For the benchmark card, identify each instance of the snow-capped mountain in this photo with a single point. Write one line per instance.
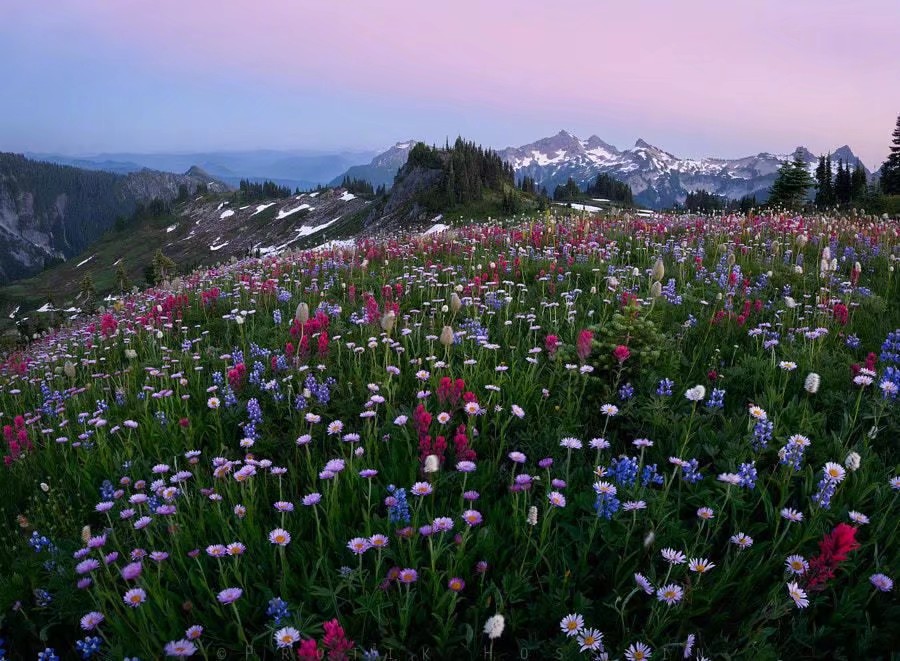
(657, 177)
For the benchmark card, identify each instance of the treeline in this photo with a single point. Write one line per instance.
(702, 201)
(253, 191)
(605, 187)
(841, 188)
(361, 187)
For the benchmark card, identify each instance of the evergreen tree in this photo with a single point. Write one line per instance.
(791, 184)
(88, 293)
(162, 267)
(890, 171)
(842, 184)
(122, 281)
(858, 184)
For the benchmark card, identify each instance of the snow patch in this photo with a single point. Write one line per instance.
(434, 229)
(85, 261)
(346, 197)
(285, 214)
(262, 207)
(171, 228)
(215, 247)
(226, 214)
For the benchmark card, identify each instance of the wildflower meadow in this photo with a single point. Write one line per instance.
(612, 437)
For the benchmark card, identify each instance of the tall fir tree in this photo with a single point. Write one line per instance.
(791, 184)
(858, 184)
(890, 171)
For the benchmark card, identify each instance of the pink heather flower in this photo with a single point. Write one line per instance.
(421, 489)
(86, 566)
(379, 541)
(280, 537)
(408, 576)
(472, 518)
(283, 506)
(882, 582)
(180, 648)
(91, 620)
(456, 584)
(556, 499)
(359, 545)
(229, 595)
(312, 499)
(135, 597)
(797, 594)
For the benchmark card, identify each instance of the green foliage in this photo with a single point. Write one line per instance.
(254, 191)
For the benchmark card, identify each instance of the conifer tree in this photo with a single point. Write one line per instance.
(890, 171)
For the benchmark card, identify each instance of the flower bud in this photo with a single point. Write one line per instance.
(659, 269)
(532, 515)
(656, 289)
(69, 369)
(811, 385)
(387, 321)
(852, 461)
(447, 336)
(302, 313)
(455, 302)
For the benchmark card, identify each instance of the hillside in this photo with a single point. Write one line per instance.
(49, 212)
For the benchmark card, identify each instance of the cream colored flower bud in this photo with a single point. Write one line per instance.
(731, 259)
(387, 321)
(69, 369)
(302, 313)
(45, 487)
(432, 464)
(811, 385)
(659, 269)
(447, 336)
(852, 461)
(455, 302)
(130, 354)
(85, 534)
(656, 289)
(532, 515)
(649, 539)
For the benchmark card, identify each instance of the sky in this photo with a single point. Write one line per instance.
(695, 77)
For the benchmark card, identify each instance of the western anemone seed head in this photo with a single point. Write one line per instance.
(494, 626)
(532, 515)
(801, 241)
(45, 487)
(656, 289)
(69, 369)
(302, 313)
(447, 336)
(852, 461)
(432, 464)
(811, 385)
(696, 393)
(731, 259)
(659, 269)
(387, 321)
(85, 534)
(649, 539)
(455, 302)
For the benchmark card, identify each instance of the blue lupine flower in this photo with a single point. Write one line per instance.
(664, 389)
(716, 399)
(650, 476)
(89, 646)
(277, 610)
(398, 507)
(747, 475)
(626, 392)
(624, 471)
(762, 434)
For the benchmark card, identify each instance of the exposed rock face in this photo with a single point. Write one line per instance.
(50, 212)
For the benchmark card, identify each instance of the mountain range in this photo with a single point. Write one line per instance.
(658, 179)
(296, 168)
